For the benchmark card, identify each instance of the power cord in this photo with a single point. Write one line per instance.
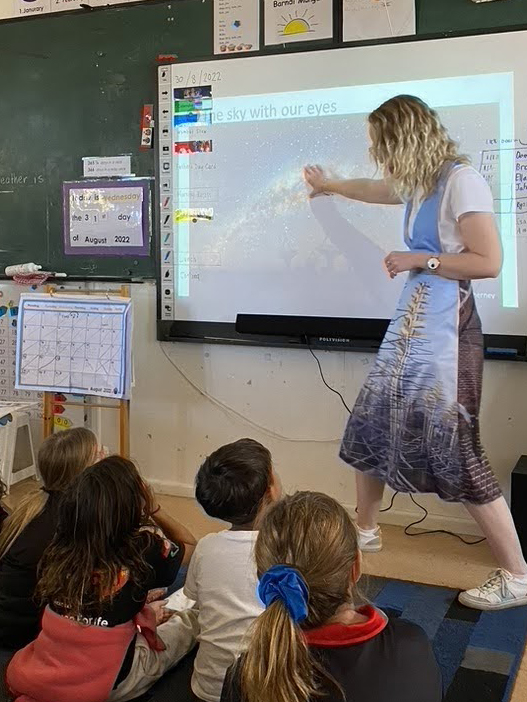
(435, 531)
(235, 414)
(324, 380)
(387, 509)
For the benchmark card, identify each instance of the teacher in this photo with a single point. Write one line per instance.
(415, 424)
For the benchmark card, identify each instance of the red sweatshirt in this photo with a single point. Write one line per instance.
(71, 661)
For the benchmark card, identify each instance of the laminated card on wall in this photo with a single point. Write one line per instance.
(236, 26)
(290, 21)
(105, 217)
(77, 344)
(376, 19)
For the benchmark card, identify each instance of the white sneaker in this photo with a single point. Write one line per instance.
(370, 541)
(501, 591)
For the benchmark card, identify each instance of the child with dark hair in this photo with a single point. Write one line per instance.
(235, 484)
(28, 531)
(99, 638)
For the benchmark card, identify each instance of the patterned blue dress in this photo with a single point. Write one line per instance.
(415, 423)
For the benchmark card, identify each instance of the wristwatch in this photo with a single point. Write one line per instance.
(433, 264)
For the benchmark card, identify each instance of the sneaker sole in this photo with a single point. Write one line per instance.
(371, 549)
(487, 607)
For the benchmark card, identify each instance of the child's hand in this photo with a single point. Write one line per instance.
(162, 614)
(157, 594)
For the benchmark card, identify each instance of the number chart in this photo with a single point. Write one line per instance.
(8, 337)
(75, 345)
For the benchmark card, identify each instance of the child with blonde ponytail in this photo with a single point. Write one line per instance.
(28, 531)
(313, 641)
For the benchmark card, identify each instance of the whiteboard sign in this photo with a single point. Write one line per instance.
(106, 166)
(77, 345)
(106, 218)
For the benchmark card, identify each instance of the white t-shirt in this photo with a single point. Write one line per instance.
(222, 580)
(466, 191)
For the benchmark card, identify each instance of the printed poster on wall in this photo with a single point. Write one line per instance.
(64, 5)
(236, 26)
(376, 19)
(288, 21)
(106, 218)
(31, 7)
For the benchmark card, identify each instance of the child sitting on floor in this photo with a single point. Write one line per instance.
(235, 484)
(27, 532)
(98, 639)
(314, 642)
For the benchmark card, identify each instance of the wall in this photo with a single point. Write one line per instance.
(6, 7)
(174, 425)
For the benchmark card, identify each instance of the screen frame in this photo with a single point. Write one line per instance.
(496, 346)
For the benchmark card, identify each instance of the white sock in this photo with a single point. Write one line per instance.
(520, 578)
(369, 533)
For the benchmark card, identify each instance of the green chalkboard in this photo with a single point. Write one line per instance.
(73, 85)
(445, 17)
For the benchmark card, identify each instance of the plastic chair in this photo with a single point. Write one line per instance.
(17, 455)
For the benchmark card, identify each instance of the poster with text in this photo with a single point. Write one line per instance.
(65, 5)
(288, 21)
(375, 19)
(236, 26)
(31, 7)
(106, 218)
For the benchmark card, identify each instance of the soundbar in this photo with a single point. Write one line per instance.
(294, 331)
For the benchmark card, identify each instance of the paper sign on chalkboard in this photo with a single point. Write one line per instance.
(107, 217)
(107, 166)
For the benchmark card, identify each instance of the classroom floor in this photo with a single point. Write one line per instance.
(432, 559)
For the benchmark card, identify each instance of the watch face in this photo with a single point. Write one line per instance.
(433, 264)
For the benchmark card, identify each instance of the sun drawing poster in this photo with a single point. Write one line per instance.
(288, 21)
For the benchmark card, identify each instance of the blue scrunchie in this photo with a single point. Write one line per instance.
(287, 585)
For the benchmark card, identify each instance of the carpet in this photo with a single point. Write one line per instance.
(479, 652)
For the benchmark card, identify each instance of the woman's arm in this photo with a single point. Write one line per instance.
(482, 258)
(483, 255)
(176, 532)
(363, 189)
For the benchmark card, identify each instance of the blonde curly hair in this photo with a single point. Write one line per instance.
(410, 145)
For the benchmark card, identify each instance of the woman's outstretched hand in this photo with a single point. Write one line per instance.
(316, 179)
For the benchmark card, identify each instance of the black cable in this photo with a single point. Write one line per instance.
(324, 380)
(435, 531)
(387, 509)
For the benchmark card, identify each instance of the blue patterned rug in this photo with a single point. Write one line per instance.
(479, 652)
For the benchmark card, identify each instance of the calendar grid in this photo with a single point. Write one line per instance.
(74, 346)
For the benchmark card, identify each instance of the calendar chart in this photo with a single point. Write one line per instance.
(74, 345)
(8, 340)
